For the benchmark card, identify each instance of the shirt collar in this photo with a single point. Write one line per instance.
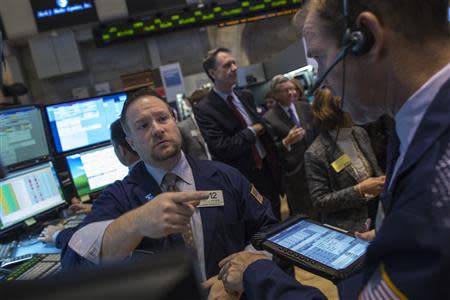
(224, 96)
(181, 169)
(130, 167)
(412, 111)
(286, 108)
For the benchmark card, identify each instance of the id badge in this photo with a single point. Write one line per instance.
(341, 163)
(215, 199)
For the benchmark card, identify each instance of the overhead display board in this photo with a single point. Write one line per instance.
(194, 16)
(140, 7)
(53, 14)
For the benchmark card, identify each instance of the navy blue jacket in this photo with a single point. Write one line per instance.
(412, 248)
(226, 229)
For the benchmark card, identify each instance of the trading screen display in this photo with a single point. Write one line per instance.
(22, 135)
(93, 170)
(53, 14)
(85, 122)
(231, 13)
(329, 247)
(27, 193)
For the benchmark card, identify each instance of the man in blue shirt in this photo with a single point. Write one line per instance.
(147, 212)
(398, 62)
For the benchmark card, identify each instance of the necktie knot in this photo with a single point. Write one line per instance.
(169, 182)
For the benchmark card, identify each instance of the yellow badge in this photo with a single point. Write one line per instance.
(256, 194)
(341, 163)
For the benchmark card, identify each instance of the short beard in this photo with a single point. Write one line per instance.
(165, 155)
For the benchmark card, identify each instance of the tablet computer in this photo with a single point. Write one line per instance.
(323, 250)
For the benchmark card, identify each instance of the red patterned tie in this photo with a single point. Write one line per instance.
(255, 154)
(169, 185)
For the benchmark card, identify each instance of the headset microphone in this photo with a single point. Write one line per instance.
(355, 42)
(341, 55)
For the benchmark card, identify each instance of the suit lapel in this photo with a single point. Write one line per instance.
(222, 107)
(251, 111)
(305, 122)
(283, 116)
(219, 103)
(140, 176)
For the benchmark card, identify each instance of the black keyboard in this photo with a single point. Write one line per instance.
(7, 250)
(40, 266)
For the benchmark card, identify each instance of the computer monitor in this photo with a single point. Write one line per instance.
(83, 123)
(22, 136)
(93, 170)
(27, 193)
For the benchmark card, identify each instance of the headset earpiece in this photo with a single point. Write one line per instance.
(360, 41)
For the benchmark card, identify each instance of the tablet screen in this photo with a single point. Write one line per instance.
(327, 246)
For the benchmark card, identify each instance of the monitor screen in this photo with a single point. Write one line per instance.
(22, 135)
(85, 122)
(93, 170)
(327, 246)
(51, 14)
(27, 193)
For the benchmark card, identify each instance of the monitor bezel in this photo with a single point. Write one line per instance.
(41, 215)
(47, 120)
(39, 159)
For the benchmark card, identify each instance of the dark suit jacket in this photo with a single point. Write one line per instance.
(227, 140)
(226, 229)
(332, 193)
(193, 142)
(279, 126)
(412, 246)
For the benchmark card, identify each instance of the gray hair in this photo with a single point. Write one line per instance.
(276, 80)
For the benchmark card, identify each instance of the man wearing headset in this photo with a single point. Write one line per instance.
(395, 55)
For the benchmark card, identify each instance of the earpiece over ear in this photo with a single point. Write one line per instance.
(360, 41)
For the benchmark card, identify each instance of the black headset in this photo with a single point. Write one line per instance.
(354, 42)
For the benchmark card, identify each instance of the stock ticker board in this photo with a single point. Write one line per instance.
(193, 16)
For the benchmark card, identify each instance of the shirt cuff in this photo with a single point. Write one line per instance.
(87, 241)
(252, 249)
(55, 236)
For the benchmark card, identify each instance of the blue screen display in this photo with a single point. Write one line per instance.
(329, 247)
(85, 122)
